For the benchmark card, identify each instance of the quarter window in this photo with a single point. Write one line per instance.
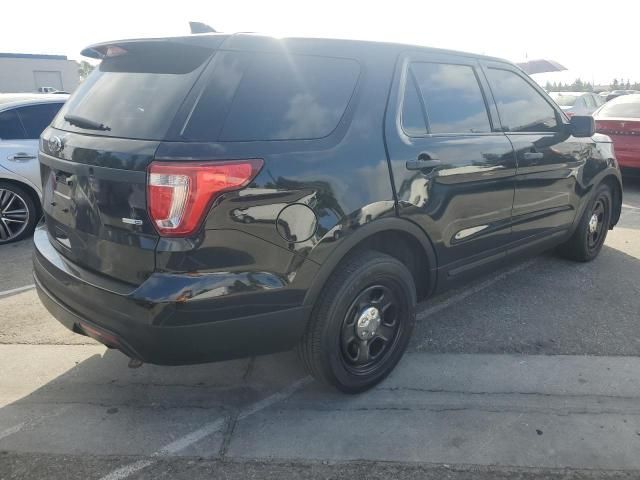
(265, 96)
(452, 97)
(521, 107)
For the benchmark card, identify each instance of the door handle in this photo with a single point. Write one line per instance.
(532, 156)
(424, 161)
(21, 156)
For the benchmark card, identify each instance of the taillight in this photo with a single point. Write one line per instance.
(179, 194)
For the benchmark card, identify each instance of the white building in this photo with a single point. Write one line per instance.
(22, 72)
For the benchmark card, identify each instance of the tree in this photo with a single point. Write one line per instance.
(615, 84)
(84, 69)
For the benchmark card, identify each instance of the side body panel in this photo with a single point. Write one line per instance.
(464, 203)
(270, 239)
(553, 176)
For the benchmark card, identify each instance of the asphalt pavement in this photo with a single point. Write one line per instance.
(531, 372)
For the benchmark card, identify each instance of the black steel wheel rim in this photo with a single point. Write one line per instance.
(596, 227)
(14, 215)
(363, 354)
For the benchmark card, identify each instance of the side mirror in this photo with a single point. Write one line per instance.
(582, 126)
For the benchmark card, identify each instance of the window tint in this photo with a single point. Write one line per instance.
(413, 121)
(260, 96)
(452, 97)
(521, 107)
(10, 126)
(36, 118)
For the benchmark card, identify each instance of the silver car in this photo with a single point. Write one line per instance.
(23, 117)
(577, 103)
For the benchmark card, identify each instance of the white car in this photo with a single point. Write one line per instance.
(23, 117)
(577, 103)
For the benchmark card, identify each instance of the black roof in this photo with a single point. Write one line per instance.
(33, 56)
(250, 41)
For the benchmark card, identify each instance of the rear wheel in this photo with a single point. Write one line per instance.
(586, 242)
(361, 324)
(18, 213)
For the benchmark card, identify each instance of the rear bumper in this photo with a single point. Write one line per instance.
(162, 332)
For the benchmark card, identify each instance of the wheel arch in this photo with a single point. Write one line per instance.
(616, 188)
(394, 236)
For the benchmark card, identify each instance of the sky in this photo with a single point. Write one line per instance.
(592, 41)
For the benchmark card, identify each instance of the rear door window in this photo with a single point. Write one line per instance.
(137, 93)
(263, 96)
(520, 106)
(10, 126)
(452, 97)
(35, 118)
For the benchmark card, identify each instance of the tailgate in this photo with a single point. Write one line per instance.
(94, 202)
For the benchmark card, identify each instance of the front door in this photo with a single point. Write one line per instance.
(548, 157)
(453, 169)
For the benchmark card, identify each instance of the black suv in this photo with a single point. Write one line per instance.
(217, 196)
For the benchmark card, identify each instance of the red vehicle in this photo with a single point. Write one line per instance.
(620, 120)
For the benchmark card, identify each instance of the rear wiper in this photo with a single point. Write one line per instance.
(85, 123)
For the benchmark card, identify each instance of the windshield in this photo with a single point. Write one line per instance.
(564, 100)
(622, 107)
(134, 95)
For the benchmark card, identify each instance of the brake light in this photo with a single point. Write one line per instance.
(179, 194)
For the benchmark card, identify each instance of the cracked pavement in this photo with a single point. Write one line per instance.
(532, 372)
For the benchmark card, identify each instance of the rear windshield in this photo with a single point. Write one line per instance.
(137, 94)
(622, 107)
(564, 100)
(263, 96)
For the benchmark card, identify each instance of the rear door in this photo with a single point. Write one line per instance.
(454, 172)
(95, 156)
(20, 154)
(548, 157)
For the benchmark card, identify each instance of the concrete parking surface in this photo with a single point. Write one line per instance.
(532, 372)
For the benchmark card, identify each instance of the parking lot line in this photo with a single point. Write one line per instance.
(203, 432)
(17, 290)
(11, 430)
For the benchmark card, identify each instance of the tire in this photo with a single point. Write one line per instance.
(585, 243)
(347, 349)
(18, 213)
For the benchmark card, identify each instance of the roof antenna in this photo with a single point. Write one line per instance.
(199, 27)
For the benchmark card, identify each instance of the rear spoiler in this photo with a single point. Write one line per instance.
(118, 47)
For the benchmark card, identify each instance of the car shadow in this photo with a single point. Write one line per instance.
(552, 307)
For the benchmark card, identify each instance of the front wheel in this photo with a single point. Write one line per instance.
(361, 323)
(586, 242)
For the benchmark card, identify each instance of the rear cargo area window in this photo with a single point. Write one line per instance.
(137, 93)
(263, 96)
